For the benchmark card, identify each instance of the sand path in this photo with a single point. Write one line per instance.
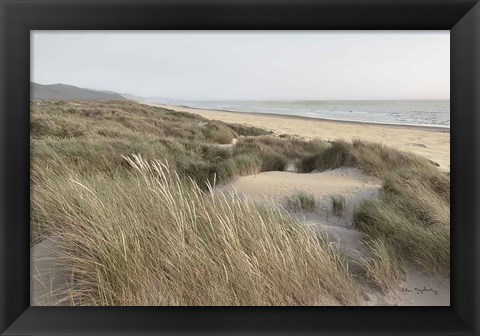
(430, 142)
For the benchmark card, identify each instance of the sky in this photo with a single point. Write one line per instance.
(280, 65)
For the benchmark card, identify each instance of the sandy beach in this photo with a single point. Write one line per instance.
(430, 142)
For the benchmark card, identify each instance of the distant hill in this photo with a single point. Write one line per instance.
(69, 92)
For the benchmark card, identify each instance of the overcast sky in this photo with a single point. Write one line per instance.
(313, 65)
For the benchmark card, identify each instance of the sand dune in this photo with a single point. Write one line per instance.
(414, 289)
(49, 282)
(430, 142)
(350, 183)
(277, 184)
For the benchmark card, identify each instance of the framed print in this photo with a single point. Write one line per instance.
(229, 167)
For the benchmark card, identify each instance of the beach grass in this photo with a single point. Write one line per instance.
(382, 267)
(413, 212)
(372, 158)
(338, 204)
(413, 216)
(301, 200)
(152, 238)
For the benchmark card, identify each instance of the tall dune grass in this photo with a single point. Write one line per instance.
(413, 216)
(374, 159)
(381, 264)
(152, 238)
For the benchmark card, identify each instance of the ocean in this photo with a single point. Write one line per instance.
(434, 113)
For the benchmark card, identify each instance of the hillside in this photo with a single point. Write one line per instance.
(69, 92)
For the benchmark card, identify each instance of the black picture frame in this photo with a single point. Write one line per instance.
(18, 17)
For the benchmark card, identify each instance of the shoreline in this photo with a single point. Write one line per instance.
(432, 128)
(432, 143)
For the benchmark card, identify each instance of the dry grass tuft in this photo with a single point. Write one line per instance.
(413, 216)
(382, 267)
(301, 200)
(338, 204)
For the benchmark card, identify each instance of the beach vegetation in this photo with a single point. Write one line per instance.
(244, 130)
(338, 204)
(382, 267)
(374, 159)
(218, 132)
(413, 216)
(301, 200)
(151, 238)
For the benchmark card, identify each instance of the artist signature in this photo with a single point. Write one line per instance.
(420, 290)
